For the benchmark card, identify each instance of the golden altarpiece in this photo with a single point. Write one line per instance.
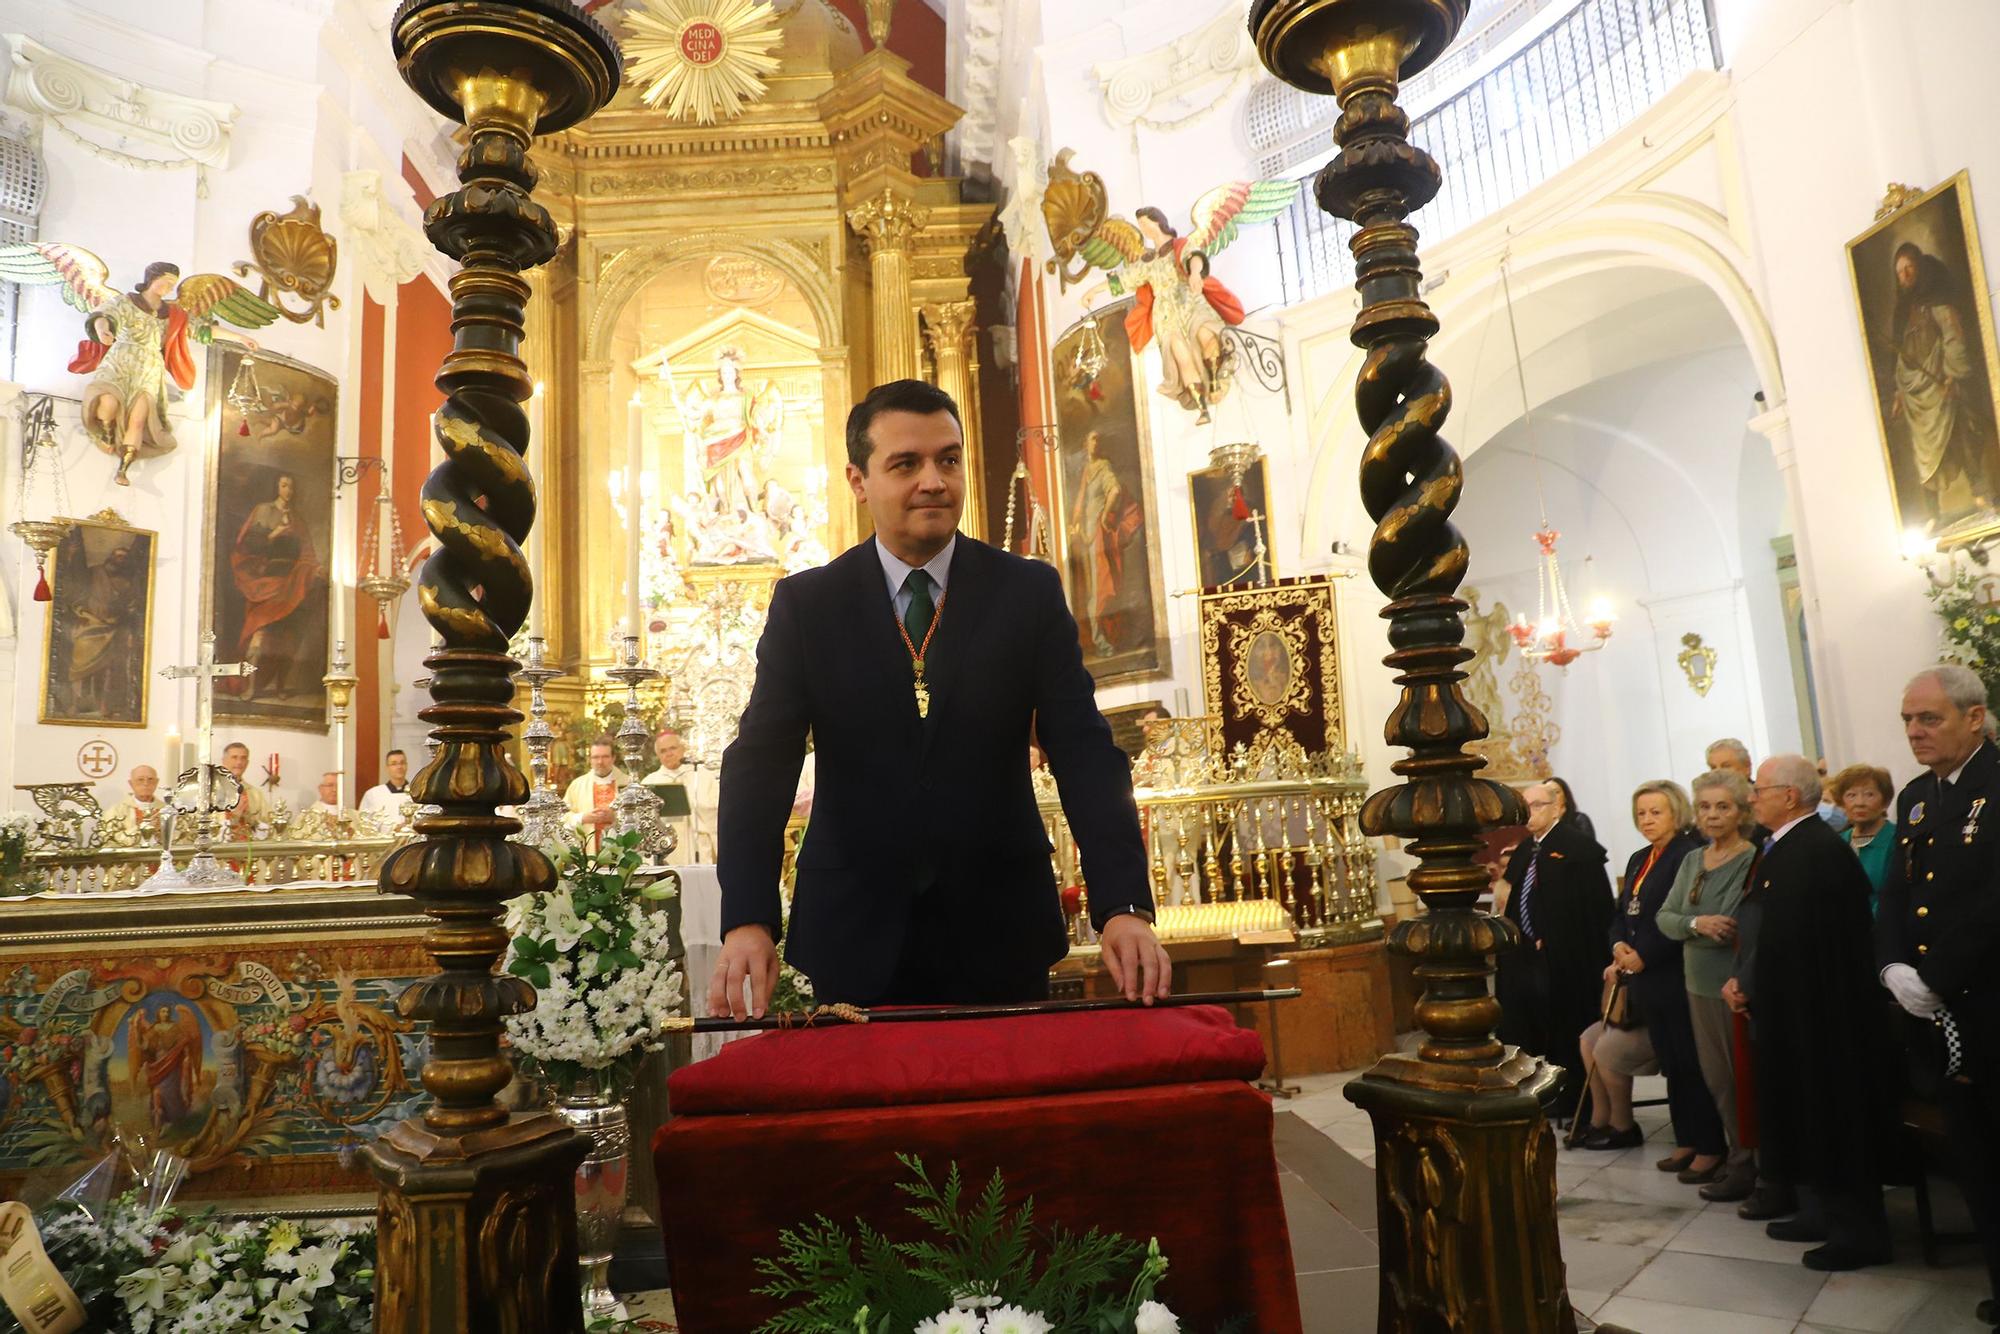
(723, 294)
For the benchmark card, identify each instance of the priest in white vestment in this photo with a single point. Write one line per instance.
(327, 799)
(590, 794)
(253, 808)
(694, 833)
(139, 812)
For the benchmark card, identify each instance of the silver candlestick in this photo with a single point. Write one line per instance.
(542, 816)
(638, 807)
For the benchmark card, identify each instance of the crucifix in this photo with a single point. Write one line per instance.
(203, 871)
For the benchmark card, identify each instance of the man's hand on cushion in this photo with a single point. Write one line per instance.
(747, 951)
(1139, 965)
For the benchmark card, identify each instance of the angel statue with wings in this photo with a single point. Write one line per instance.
(1176, 298)
(134, 341)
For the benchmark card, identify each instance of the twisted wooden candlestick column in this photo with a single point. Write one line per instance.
(1465, 1161)
(478, 1212)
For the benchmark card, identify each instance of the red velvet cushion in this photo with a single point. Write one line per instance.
(882, 1065)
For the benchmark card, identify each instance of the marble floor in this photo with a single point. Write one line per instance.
(1642, 1251)
(1645, 1252)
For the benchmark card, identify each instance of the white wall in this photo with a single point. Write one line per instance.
(1833, 100)
(1642, 473)
(316, 96)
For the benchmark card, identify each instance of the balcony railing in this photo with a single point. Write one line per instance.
(1588, 76)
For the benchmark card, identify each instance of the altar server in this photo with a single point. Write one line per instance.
(388, 799)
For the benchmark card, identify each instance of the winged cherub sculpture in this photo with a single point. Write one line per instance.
(133, 341)
(1175, 296)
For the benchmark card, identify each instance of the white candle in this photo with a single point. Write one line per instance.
(635, 439)
(173, 769)
(537, 412)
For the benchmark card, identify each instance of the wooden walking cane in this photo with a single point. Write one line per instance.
(1575, 1131)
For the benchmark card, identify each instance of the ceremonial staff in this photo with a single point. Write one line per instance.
(826, 1016)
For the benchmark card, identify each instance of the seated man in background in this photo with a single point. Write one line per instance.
(327, 798)
(139, 812)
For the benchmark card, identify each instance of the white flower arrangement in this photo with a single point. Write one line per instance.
(143, 1271)
(600, 963)
(963, 1318)
(1000, 1275)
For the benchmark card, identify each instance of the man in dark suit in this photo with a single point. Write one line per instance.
(921, 662)
(1817, 1024)
(1551, 988)
(1937, 934)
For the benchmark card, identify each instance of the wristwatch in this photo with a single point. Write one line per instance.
(1143, 914)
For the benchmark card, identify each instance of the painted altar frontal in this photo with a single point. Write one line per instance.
(253, 1032)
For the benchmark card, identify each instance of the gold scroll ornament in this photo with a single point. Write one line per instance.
(30, 1284)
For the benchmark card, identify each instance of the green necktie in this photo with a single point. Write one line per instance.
(917, 620)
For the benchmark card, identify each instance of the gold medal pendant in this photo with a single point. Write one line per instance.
(917, 658)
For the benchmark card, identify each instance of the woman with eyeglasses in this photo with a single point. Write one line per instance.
(1700, 912)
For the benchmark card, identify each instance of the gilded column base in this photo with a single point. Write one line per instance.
(1465, 1196)
(498, 1205)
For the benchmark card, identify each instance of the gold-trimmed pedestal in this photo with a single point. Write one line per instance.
(1465, 1161)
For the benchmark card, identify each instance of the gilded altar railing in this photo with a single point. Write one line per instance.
(259, 861)
(1260, 844)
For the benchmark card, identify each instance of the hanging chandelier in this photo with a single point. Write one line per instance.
(1556, 636)
(385, 580)
(41, 469)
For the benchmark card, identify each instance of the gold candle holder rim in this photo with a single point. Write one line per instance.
(1304, 42)
(551, 46)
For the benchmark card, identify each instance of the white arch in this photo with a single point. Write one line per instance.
(1639, 234)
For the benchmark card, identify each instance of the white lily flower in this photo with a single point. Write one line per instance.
(949, 1322)
(1153, 1318)
(1013, 1320)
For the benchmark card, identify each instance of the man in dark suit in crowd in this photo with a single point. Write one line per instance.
(921, 662)
(1816, 1022)
(1551, 988)
(1937, 935)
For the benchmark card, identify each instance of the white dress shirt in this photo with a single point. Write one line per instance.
(938, 567)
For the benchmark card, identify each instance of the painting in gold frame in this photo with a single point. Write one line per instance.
(1104, 501)
(1225, 546)
(97, 648)
(1927, 329)
(266, 590)
(1270, 665)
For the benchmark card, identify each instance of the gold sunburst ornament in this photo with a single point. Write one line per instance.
(700, 59)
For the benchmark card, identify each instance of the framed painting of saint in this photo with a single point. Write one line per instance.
(1928, 329)
(97, 652)
(1104, 500)
(1232, 529)
(270, 535)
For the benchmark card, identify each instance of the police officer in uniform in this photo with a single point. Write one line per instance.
(1937, 934)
